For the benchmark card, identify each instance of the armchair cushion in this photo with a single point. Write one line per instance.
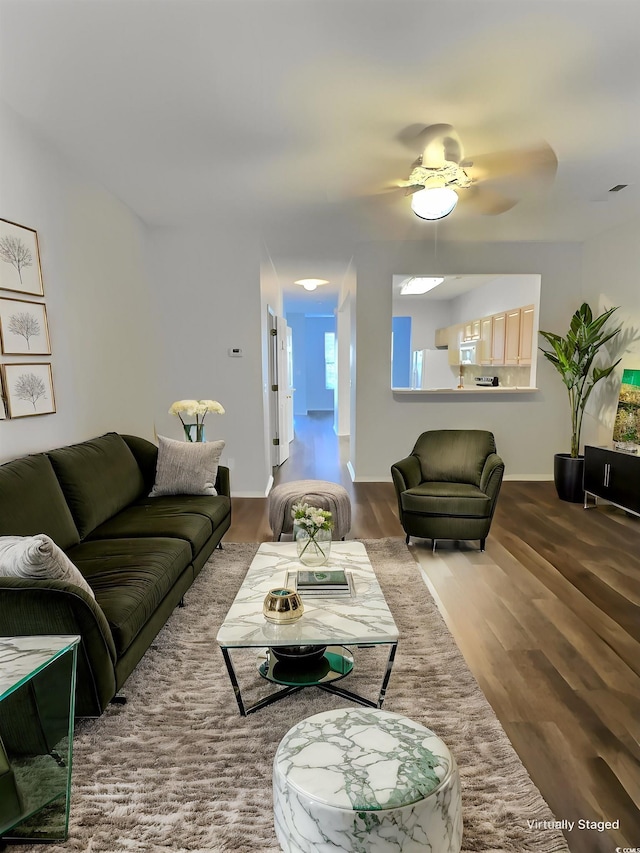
(459, 499)
(454, 455)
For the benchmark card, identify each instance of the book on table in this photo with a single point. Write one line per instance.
(317, 583)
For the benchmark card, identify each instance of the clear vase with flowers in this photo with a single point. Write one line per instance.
(312, 529)
(198, 409)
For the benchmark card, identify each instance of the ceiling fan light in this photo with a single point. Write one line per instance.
(434, 203)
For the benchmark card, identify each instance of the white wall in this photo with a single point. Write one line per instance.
(206, 281)
(501, 294)
(612, 277)
(529, 429)
(96, 291)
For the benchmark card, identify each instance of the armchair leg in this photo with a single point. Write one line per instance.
(434, 542)
(407, 538)
(482, 541)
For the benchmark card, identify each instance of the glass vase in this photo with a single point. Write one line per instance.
(313, 549)
(194, 432)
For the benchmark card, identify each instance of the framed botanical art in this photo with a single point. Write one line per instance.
(3, 411)
(28, 389)
(19, 259)
(23, 327)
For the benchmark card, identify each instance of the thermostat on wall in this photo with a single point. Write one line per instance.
(235, 352)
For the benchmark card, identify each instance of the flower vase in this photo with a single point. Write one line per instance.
(194, 432)
(314, 549)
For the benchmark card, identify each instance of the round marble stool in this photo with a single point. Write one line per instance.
(361, 779)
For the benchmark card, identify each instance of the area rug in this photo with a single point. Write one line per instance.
(178, 769)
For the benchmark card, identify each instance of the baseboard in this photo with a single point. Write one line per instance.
(352, 473)
(269, 486)
(529, 478)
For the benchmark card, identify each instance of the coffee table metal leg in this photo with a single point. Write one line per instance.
(234, 680)
(347, 694)
(268, 700)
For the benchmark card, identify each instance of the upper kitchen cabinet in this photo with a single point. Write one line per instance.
(525, 347)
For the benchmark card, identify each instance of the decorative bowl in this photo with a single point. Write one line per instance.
(295, 654)
(282, 605)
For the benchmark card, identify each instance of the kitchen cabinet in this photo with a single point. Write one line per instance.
(525, 348)
(442, 337)
(471, 331)
(455, 339)
(613, 475)
(512, 336)
(498, 327)
(486, 338)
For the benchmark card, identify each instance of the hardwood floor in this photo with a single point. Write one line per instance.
(548, 619)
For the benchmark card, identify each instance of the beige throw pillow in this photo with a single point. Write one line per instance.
(186, 468)
(40, 558)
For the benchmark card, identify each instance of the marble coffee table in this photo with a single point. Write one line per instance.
(338, 622)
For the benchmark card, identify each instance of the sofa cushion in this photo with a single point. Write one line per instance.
(130, 577)
(459, 499)
(38, 557)
(135, 521)
(186, 468)
(99, 477)
(31, 501)
(215, 508)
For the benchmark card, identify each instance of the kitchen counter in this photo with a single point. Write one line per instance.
(469, 389)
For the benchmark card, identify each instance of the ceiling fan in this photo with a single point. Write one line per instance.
(489, 183)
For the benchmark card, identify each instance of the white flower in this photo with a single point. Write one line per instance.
(212, 406)
(196, 407)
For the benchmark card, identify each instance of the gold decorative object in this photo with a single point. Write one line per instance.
(282, 606)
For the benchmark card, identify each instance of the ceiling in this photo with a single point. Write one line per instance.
(285, 114)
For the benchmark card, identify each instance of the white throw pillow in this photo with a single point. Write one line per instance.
(40, 558)
(186, 468)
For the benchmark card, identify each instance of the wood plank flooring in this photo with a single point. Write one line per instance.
(548, 619)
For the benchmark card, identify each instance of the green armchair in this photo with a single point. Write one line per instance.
(448, 487)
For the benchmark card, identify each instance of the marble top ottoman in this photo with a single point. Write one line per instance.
(366, 780)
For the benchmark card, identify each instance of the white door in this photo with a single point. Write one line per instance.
(285, 404)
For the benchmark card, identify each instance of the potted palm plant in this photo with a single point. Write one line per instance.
(573, 356)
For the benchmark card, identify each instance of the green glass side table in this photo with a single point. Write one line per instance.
(37, 702)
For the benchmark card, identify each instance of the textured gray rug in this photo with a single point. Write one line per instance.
(177, 768)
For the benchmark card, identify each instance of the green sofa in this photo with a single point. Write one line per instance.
(138, 554)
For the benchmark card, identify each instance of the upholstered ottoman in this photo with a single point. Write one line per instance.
(321, 493)
(361, 779)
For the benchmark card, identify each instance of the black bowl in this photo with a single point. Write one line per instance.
(298, 654)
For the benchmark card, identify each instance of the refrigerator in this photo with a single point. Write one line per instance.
(430, 368)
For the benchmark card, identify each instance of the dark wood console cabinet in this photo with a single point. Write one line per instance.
(614, 476)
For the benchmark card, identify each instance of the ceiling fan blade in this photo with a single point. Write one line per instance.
(539, 162)
(435, 143)
(484, 200)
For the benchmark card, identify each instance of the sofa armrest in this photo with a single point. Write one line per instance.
(491, 477)
(146, 455)
(223, 481)
(406, 473)
(32, 607)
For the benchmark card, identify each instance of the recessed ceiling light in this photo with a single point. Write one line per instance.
(311, 283)
(419, 284)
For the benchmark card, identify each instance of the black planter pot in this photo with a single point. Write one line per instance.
(568, 472)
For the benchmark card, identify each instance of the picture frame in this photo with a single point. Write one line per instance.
(3, 410)
(28, 389)
(23, 327)
(20, 269)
